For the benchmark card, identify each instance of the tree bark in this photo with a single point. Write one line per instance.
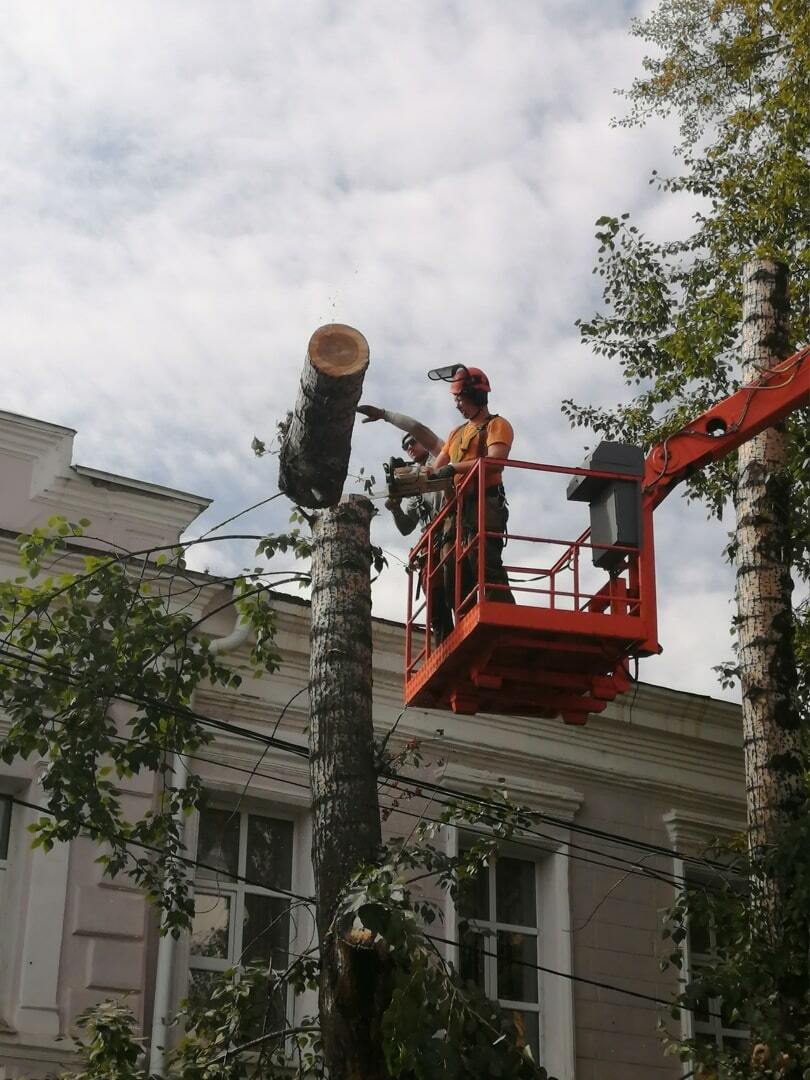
(346, 819)
(771, 723)
(317, 442)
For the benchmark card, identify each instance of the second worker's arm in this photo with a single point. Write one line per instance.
(421, 432)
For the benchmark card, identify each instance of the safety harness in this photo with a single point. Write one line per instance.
(478, 432)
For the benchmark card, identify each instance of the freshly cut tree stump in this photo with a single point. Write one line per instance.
(317, 443)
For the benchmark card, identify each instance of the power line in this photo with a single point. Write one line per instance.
(183, 711)
(573, 978)
(302, 751)
(185, 859)
(311, 900)
(619, 838)
(619, 863)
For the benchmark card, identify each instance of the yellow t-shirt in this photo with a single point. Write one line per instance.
(463, 443)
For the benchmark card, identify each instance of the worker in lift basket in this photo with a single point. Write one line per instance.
(421, 445)
(483, 434)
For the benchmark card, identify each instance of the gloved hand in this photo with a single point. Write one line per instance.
(446, 472)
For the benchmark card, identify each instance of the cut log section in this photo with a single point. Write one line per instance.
(317, 443)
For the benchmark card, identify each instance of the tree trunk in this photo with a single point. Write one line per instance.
(771, 723)
(346, 819)
(317, 442)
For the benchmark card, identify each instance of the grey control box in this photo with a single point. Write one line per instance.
(615, 505)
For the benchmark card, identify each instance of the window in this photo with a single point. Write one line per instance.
(500, 942)
(236, 922)
(711, 1021)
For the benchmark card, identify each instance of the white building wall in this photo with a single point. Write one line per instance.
(653, 758)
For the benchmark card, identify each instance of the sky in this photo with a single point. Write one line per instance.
(189, 190)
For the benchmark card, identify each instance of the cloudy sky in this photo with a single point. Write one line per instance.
(190, 189)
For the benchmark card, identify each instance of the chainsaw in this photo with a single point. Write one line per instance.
(404, 479)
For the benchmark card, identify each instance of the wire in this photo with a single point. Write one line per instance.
(636, 869)
(183, 711)
(185, 859)
(302, 752)
(311, 900)
(572, 978)
(550, 819)
(253, 771)
(227, 521)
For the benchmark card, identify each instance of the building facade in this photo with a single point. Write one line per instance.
(576, 908)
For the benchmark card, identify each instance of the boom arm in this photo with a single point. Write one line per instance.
(757, 405)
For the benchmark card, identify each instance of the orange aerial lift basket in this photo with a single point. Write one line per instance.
(557, 640)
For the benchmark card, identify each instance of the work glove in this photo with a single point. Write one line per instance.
(444, 473)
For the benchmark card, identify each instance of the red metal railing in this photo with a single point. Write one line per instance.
(452, 550)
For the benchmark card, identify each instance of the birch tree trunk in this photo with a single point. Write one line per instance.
(317, 443)
(354, 988)
(771, 724)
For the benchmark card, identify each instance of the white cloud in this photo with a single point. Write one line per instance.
(192, 189)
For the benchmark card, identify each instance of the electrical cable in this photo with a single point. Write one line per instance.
(620, 863)
(550, 819)
(573, 978)
(186, 712)
(302, 752)
(311, 900)
(185, 859)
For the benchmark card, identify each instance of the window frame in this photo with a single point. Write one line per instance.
(222, 885)
(7, 902)
(491, 927)
(713, 1026)
(5, 830)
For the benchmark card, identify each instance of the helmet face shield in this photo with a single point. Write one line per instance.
(464, 381)
(447, 374)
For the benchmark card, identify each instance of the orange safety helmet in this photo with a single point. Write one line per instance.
(469, 379)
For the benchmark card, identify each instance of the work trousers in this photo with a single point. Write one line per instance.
(496, 516)
(441, 610)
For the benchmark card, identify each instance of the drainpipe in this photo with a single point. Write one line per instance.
(167, 943)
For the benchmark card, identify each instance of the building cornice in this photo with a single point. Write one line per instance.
(556, 800)
(692, 831)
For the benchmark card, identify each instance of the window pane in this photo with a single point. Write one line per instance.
(702, 1010)
(740, 1046)
(200, 987)
(209, 928)
(527, 1030)
(265, 1013)
(517, 971)
(269, 852)
(473, 896)
(218, 844)
(727, 1017)
(699, 937)
(471, 956)
(5, 824)
(266, 937)
(516, 899)
(705, 1038)
(266, 930)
